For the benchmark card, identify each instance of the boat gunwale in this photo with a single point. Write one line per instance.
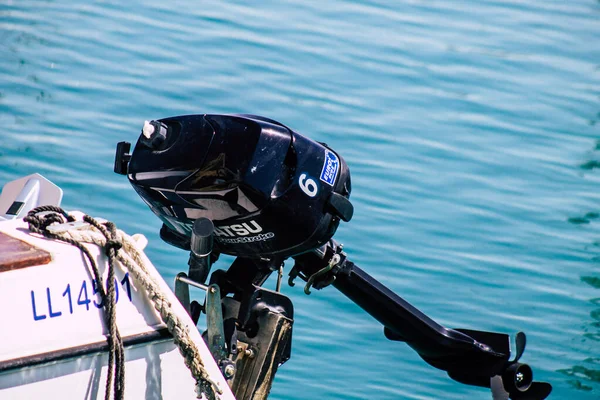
(81, 350)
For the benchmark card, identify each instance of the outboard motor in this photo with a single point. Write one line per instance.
(264, 193)
(269, 190)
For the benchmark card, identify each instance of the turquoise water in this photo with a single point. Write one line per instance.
(471, 130)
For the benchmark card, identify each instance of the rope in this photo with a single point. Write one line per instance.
(39, 223)
(123, 248)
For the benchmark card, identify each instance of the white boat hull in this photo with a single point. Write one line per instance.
(53, 333)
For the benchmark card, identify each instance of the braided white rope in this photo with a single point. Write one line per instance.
(132, 258)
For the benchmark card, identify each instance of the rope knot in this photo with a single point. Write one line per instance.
(112, 244)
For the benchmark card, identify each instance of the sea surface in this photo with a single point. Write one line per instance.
(471, 129)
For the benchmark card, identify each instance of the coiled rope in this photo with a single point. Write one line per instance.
(119, 246)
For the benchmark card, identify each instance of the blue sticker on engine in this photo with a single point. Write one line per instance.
(330, 168)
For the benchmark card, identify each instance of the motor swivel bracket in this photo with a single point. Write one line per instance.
(201, 246)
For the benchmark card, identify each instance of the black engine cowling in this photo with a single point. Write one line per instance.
(269, 190)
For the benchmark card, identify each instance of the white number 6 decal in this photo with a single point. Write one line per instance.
(308, 185)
